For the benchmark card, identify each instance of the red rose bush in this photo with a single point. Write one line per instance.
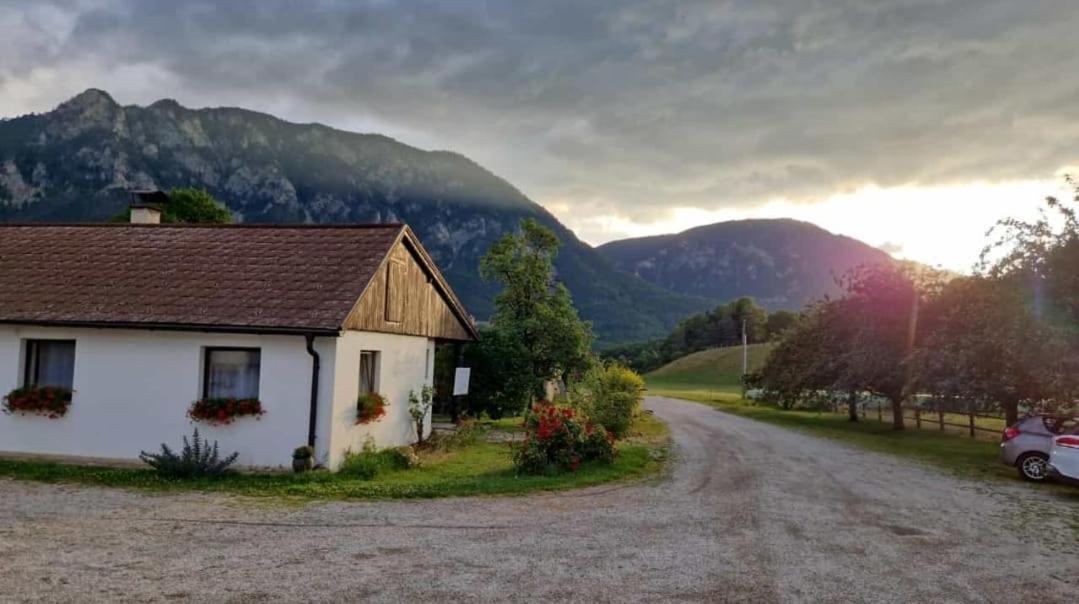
(557, 439)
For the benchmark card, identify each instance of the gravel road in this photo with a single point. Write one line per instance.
(749, 512)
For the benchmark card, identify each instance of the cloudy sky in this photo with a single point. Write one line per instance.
(911, 124)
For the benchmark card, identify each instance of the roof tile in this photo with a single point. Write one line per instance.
(286, 278)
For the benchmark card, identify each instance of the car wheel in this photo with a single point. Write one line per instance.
(1032, 466)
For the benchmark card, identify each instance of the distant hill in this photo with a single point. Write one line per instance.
(781, 263)
(712, 368)
(75, 162)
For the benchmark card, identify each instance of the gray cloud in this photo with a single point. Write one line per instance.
(626, 107)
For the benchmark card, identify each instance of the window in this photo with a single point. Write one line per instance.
(368, 372)
(231, 373)
(50, 363)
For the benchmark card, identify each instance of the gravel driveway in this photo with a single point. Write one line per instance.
(749, 512)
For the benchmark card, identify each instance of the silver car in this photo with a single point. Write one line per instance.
(1027, 443)
(1064, 458)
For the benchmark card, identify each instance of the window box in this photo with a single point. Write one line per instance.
(50, 401)
(370, 407)
(224, 411)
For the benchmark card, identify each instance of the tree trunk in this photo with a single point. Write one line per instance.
(1011, 412)
(897, 414)
(852, 407)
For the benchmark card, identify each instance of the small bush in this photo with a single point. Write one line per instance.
(557, 441)
(196, 460)
(304, 452)
(419, 405)
(610, 395)
(371, 462)
(370, 407)
(597, 445)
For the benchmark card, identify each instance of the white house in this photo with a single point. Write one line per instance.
(141, 320)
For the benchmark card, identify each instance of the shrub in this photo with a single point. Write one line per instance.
(418, 407)
(556, 441)
(196, 460)
(304, 452)
(371, 462)
(370, 407)
(51, 401)
(224, 411)
(610, 395)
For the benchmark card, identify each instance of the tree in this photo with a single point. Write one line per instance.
(881, 309)
(1041, 259)
(804, 362)
(188, 205)
(779, 322)
(535, 334)
(983, 344)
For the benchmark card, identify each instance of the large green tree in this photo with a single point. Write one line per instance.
(534, 334)
(982, 343)
(806, 363)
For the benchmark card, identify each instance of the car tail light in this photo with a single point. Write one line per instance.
(1072, 442)
(1009, 433)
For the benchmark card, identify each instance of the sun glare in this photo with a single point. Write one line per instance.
(943, 226)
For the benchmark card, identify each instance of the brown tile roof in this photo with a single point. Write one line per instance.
(285, 279)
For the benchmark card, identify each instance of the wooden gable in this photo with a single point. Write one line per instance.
(406, 297)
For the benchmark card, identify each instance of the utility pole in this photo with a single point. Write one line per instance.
(745, 357)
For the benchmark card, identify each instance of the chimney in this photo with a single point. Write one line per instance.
(146, 206)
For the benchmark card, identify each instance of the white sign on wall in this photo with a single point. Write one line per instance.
(460, 381)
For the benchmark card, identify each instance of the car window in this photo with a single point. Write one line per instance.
(1061, 425)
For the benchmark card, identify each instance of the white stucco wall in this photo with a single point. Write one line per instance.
(406, 363)
(133, 389)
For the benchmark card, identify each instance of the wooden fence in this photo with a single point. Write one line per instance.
(934, 415)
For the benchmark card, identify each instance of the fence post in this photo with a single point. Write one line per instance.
(880, 416)
(972, 419)
(940, 414)
(917, 416)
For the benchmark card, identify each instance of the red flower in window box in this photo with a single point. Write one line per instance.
(50, 401)
(224, 411)
(370, 407)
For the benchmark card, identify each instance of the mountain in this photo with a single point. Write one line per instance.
(781, 263)
(76, 162)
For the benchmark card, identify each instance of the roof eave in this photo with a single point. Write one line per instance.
(189, 327)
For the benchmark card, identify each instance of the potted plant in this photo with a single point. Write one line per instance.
(303, 458)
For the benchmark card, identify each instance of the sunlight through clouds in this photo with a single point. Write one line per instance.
(942, 226)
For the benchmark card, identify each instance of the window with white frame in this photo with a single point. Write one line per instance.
(231, 373)
(50, 363)
(369, 362)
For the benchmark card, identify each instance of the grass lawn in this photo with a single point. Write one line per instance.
(713, 368)
(481, 469)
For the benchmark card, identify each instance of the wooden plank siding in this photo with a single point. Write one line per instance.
(404, 298)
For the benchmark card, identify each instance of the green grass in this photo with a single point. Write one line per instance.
(482, 469)
(708, 369)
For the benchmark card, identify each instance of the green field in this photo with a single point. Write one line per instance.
(713, 373)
